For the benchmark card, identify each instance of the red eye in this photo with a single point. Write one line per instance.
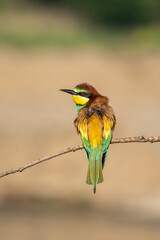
(84, 93)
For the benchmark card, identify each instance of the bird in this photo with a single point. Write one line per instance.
(95, 123)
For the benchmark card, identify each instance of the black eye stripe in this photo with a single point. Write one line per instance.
(82, 94)
(87, 95)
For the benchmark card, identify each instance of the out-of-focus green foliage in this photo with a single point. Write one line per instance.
(115, 12)
(142, 38)
(1, 4)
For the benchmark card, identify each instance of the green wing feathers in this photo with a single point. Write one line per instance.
(105, 146)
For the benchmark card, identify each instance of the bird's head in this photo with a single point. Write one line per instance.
(81, 94)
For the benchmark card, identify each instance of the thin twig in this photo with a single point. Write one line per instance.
(141, 139)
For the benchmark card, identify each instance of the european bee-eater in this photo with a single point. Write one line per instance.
(95, 122)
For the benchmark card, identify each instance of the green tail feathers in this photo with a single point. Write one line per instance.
(94, 174)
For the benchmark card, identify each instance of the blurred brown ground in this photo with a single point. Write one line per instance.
(51, 200)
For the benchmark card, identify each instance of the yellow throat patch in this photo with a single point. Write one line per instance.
(80, 100)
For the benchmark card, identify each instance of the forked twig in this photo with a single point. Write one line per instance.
(141, 139)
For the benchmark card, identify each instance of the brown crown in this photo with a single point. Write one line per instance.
(88, 88)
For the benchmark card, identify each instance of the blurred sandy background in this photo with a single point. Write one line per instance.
(52, 200)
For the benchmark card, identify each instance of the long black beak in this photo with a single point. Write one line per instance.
(68, 91)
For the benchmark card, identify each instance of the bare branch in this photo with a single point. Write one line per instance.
(140, 139)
